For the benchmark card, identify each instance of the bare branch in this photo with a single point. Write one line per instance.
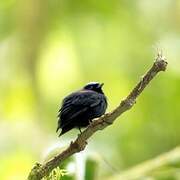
(39, 171)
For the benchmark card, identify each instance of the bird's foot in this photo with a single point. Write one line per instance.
(79, 131)
(90, 122)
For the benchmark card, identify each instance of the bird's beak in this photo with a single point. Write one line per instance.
(101, 85)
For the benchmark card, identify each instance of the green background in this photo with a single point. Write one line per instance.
(49, 48)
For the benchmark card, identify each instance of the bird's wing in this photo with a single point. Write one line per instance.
(76, 104)
(87, 99)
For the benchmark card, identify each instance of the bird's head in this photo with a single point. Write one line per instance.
(94, 86)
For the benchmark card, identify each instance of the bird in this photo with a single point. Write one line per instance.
(80, 107)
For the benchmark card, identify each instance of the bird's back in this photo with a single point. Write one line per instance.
(79, 108)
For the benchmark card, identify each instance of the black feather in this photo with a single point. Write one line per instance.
(80, 107)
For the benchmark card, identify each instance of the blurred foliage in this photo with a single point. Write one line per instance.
(163, 167)
(49, 48)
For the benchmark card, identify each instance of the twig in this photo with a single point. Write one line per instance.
(39, 171)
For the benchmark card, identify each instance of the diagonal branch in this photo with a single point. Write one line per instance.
(39, 171)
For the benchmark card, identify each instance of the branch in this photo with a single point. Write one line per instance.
(39, 171)
(147, 169)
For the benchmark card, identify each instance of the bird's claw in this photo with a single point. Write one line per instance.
(90, 122)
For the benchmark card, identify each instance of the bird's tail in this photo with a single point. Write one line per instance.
(65, 129)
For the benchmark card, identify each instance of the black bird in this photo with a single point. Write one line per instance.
(80, 107)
